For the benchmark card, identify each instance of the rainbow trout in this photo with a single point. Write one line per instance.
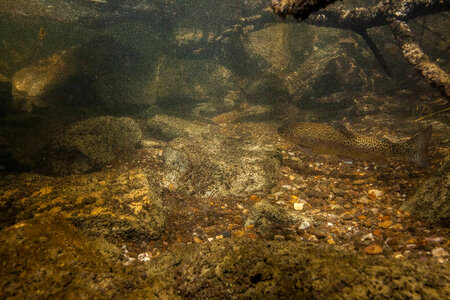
(325, 139)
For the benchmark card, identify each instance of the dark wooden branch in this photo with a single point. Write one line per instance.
(380, 59)
(419, 60)
(299, 9)
(381, 14)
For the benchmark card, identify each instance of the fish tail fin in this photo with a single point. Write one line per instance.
(421, 142)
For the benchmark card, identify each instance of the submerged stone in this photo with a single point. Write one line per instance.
(47, 257)
(212, 165)
(68, 74)
(431, 199)
(112, 204)
(91, 144)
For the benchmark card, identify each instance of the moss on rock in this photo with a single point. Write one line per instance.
(47, 257)
(91, 144)
(113, 204)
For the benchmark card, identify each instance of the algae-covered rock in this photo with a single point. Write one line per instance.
(249, 269)
(112, 204)
(431, 201)
(182, 81)
(68, 74)
(170, 127)
(91, 144)
(267, 218)
(211, 165)
(47, 257)
(313, 61)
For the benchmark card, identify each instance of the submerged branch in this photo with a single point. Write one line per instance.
(419, 60)
(299, 9)
(381, 14)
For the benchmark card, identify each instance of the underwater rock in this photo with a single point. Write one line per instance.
(113, 204)
(431, 199)
(266, 218)
(211, 165)
(66, 76)
(92, 144)
(248, 269)
(250, 114)
(47, 257)
(170, 127)
(182, 82)
(58, 10)
(325, 62)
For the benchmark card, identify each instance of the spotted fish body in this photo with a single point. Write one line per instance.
(325, 139)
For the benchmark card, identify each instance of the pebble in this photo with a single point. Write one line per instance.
(439, 252)
(197, 240)
(347, 216)
(398, 227)
(368, 236)
(330, 241)
(363, 200)
(385, 224)
(398, 255)
(320, 233)
(144, 257)
(298, 206)
(358, 181)
(279, 237)
(373, 249)
(304, 225)
(435, 239)
(376, 193)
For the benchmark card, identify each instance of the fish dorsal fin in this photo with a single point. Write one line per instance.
(343, 130)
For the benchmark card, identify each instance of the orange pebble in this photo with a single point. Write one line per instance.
(373, 249)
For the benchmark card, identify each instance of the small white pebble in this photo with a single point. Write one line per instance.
(368, 236)
(144, 257)
(439, 252)
(210, 239)
(298, 206)
(329, 224)
(304, 225)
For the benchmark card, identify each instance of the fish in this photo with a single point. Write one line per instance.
(338, 140)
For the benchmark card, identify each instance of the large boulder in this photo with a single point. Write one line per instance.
(431, 201)
(91, 144)
(115, 204)
(66, 76)
(313, 62)
(208, 87)
(47, 257)
(212, 165)
(169, 127)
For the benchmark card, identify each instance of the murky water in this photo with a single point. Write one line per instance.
(213, 149)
